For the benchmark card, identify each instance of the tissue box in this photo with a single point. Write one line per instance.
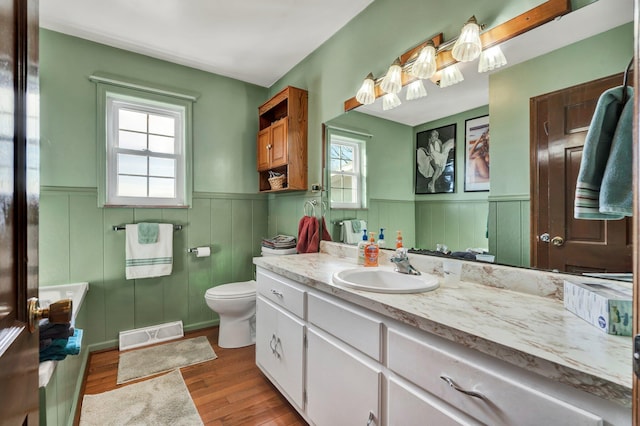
(607, 306)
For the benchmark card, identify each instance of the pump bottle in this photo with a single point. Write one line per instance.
(361, 246)
(371, 251)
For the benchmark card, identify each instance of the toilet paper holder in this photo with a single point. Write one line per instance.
(195, 249)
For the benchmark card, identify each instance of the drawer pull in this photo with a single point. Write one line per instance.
(273, 344)
(278, 342)
(277, 292)
(459, 389)
(371, 418)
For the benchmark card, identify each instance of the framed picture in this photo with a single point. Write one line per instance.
(436, 160)
(476, 154)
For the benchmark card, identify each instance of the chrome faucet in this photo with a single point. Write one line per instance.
(401, 259)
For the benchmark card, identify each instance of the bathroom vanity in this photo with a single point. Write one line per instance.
(466, 353)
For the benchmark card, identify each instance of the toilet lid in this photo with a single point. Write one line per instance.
(233, 290)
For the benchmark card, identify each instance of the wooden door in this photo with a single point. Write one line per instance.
(279, 143)
(19, 120)
(559, 125)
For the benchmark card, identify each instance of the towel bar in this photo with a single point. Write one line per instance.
(122, 227)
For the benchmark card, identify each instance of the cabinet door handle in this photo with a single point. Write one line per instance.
(277, 292)
(371, 418)
(269, 146)
(459, 389)
(272, 344)
(278, 342)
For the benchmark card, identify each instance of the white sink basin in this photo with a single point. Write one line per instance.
(385, 281)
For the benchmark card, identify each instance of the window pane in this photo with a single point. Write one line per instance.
(132, 186)
(349, 196)
(132, 164)
(165, 167)
(132, 120)
(348, 182)
(335, 165)
(336, 195)
(163, 144)
(162, 188)
(336, 181)
(346, 152)
(162, 125)
(346, 165)
(132, 140)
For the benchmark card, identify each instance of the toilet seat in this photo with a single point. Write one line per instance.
(239, 290)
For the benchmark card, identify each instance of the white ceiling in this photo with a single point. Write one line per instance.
(256, 41)
(473, 92)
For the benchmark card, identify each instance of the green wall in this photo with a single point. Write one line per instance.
(77, 242)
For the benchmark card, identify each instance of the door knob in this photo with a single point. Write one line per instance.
(557, 241)
(57, 312)
(545, 237)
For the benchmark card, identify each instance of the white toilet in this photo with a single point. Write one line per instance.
(235, 304)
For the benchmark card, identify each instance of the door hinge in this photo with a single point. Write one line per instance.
(304, 396)
(636, 355)
(305, 341)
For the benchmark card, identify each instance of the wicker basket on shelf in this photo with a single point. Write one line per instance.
(277, 182)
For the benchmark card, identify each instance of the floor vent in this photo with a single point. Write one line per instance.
(149, 335)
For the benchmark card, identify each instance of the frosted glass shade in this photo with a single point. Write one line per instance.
(390, 101)
(366, 94)
(468, 46)
(425, 65)
(450, 76)
(392, 82)
(416, 90)
(491, 59)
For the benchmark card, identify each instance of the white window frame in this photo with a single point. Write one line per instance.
(114, 94)
(359, 169)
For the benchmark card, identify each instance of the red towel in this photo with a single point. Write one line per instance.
(308, 235)
(326, 236)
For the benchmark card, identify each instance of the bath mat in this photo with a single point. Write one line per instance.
(163, 400)
(146, 362)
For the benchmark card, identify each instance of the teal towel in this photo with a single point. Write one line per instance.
(148, 233)
(356, 225)
(616, 193)
(60, 348)
(595, 154)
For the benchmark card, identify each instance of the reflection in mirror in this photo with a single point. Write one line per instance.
(553, 57)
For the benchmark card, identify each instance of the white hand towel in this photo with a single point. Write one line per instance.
(149, 260)
(348, 235)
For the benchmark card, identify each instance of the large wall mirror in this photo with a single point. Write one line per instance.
(588, 44)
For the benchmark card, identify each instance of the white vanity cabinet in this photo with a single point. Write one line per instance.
(280, 335)
(359, 367)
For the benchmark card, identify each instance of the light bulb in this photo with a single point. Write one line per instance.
(416, 90)
(367, 95)
(491, 59)
(468, 46)
(425, 65)
(390, 101)
(392, 82)
(450, 76)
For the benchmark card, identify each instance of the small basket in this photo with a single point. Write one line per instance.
(277, 182)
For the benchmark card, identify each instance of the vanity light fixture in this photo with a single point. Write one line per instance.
(416, 90)
(491, 59)
(367, 95)
(390, 101)
(450, 76)
(425, 65)
(468, 45)
(392, 82)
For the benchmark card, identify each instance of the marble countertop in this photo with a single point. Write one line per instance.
(526, 330)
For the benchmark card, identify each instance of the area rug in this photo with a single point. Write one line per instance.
(146, 362)
(163, 400)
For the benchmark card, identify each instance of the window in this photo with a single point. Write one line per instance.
(146, 139)
(347, 181)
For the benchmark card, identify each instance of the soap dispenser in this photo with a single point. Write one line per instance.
(371, 252)
(381, 242)
(361, 246)
(399, 240)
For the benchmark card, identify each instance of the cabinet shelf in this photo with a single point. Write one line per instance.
(282, 140)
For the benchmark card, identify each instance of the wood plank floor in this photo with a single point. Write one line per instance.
(227, 391)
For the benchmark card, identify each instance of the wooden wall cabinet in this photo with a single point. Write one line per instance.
(282, 139)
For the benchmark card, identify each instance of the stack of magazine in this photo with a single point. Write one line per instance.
(279, 242)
